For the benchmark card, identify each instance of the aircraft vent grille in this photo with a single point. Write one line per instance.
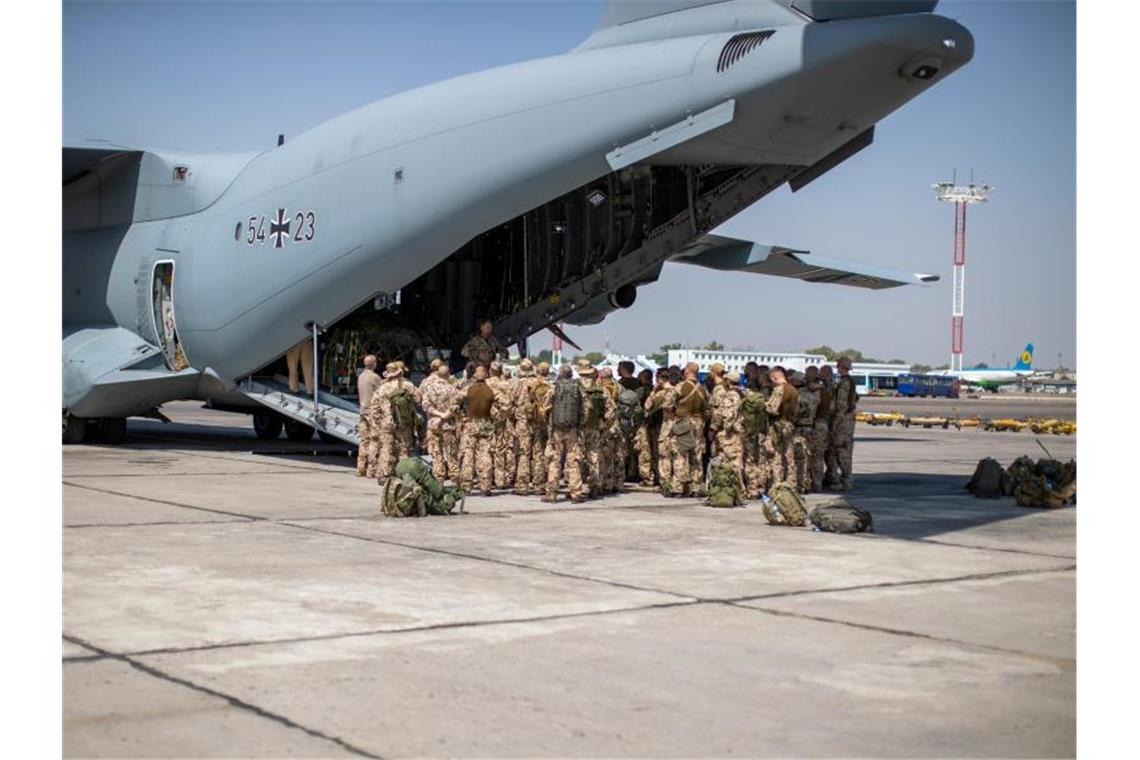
(739, 46)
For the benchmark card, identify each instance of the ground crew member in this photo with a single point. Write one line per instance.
(821, 437)
(478, 434)
(660, 422)
(502, 414)
(781, 406)
(366, 384)
(726, 421)
(392, 417)
(563, 407)
(483, 347)
(843, 402)
(687, 402)
(440, 398)
(805, 428)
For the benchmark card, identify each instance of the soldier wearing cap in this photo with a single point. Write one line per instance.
(717, 389)
(843, 402)
(366, 384)
(564, 444)
(822, 469)
(502, 415)
(526, 422)
(645, 437)
(392, 418)
(483, 347)
(781, 406)
(441, 399)
(540, 392)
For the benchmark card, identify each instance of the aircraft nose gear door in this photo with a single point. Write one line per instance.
(162, 299)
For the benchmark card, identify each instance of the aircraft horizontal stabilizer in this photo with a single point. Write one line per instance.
(733, 255)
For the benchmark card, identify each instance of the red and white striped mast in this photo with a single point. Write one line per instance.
(961, 197)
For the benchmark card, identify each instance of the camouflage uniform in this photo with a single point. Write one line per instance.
(595, 438)
(658, 401)
(801, 442)
(725, 420)
(642, 444)
(821, 434)
(781, 408)
(528, 431)
(757, 474)
(440, 400)
(503, 416)
(478, 432)
(391, 442)
(482, 350)
(843, 428)
(563, 444)
(366, 384)
(614, 446)
(686, 401)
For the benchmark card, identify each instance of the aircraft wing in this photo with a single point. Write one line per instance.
(733, 255)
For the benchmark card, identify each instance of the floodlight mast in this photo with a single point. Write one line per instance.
(961, 196)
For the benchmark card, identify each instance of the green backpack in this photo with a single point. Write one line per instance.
(784, 505)
(414, 492)
(597, 403)
(753, 415)
(403, 408)
(631, 414)
(724, 487)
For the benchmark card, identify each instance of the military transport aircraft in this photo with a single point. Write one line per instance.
(533, 194)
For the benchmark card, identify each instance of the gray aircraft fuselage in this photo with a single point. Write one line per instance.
(263, 244)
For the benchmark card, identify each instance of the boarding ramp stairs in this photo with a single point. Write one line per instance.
(327, 414)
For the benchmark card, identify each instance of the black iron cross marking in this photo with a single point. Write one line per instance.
(279, 228)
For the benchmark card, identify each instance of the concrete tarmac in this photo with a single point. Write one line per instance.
(228, 597)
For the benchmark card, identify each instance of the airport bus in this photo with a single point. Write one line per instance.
(927, 385)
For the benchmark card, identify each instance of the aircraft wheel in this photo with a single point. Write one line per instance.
(74, 429)
(298, 432)
(266, 425)
(113, 429)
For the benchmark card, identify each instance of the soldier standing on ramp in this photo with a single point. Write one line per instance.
(366, 384)
(483, 347)
(563, 451)
(478, 434)
(392, 417)
(843, 424)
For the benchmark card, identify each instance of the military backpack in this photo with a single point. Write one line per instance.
(753, 415)
(631, 414)
(414, 492)
(403, 408)
(566, 410)
(785, 506)
(597, 397)
(986, 482)
(538, 393)
(684, 438)
(841, 518)
(724, 487)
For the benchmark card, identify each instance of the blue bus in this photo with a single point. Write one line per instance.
(927, 385)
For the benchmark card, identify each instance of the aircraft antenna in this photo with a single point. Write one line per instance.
(961, 196)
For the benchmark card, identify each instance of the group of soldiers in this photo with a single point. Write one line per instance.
(595, 433)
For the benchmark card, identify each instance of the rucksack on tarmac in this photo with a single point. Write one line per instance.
(1021, 468)
(986, 482)
(403, 408)
(566, 410)
(841, 517)
(415, 492)
(631, 414)
(785, 506)
(724, 487)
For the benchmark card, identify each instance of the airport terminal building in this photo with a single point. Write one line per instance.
(869, 377)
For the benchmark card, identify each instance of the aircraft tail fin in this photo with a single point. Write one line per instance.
(1025, 360)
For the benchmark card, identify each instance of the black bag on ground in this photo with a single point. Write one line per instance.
(986, 483)
(841, 517)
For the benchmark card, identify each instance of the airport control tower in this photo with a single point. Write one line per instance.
(961, 196)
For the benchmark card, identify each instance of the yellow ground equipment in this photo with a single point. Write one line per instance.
(1054, 426)
(927, 422)
(973, 422)
(883, 418)
(1003, 425)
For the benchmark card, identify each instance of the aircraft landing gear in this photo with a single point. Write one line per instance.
(74, 429)
(298, 432)
(267, 425)
(113, 429)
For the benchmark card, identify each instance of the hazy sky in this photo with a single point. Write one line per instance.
(230, 76)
